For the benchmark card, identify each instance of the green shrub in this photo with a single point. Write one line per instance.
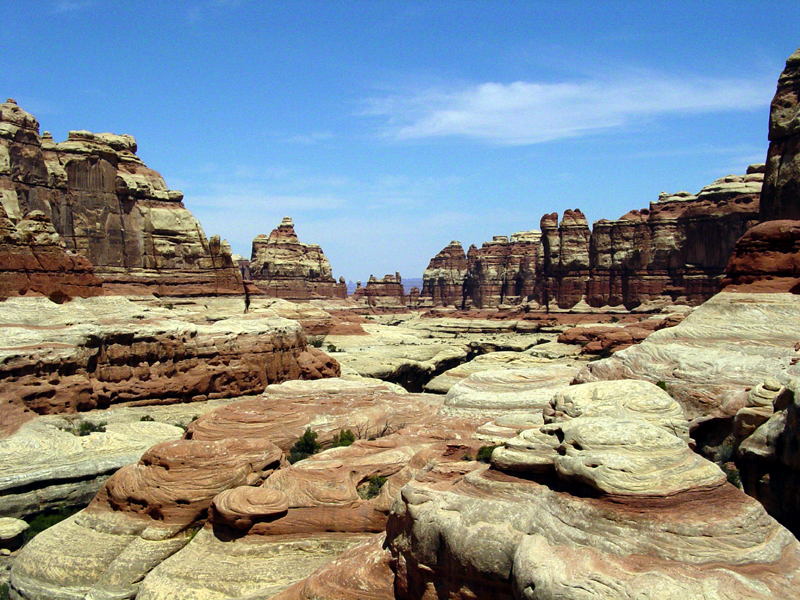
(317, 343)
(147, 418)
(371, 488)
(4, 595)
(46, 520)
(87, 427)
(343, 438)
(304, 447)
(661, 384)
(485, 453)
(332, 348)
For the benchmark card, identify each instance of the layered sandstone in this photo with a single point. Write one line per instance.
(675, 251)
(34, 259)
(387, 292)
(94, 352)
(443, 280)
(781, 195)
(108, 206)
(284, 267)
(605, 500)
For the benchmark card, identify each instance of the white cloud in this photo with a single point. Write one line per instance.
(528, 112)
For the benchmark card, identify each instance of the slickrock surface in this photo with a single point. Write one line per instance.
(384, 293)
(284, 267)
(267, 527)
(603, 507)
(34, 259)
(597, 339)
(675, 251)
(729, 344)
(95, 352)
(781, 195)
(112, 209)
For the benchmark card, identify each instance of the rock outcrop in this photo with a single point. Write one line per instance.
(112, 209)
(443, 280)
(283, 267)
(387, 292)
(676, 251)
(604, 501)
(95, 352)
(780, 198)
(34, 259)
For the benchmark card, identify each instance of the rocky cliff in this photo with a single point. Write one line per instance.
(675, 251)
(33, 259)
(387, 292)
(781, 196)
(108, 206)
(284, 267)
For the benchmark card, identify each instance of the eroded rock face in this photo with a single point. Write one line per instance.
(34, 259)
(387, 292)
(766, 259)
(112, 209)
(781, 195)
(443, 280)
(709, 361)
(607, 507)
(94, 352)
(284, 267)
(675, 251)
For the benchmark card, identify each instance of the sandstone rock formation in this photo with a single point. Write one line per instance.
(112, 209)
(382, 293)
(674, 252)
(603, 501)
(709, 361)
(766, 259)
(284, 267)
(781, 195)
(606, 339)
(443, 280)
(34, 259)
(95, 352)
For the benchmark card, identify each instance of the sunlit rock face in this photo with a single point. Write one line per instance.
(284, 267)
(603, 500)
(674, 252)
(386, 293)
(109, 207)
(781, 195)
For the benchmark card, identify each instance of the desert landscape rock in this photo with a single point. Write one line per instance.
(387, 292)
(283, 267)
(675, 251)
(110, 208)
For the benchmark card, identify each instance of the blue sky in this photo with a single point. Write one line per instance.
(386, 129)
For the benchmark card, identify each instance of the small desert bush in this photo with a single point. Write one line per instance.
(304, 447)
(344, 438)
(485, 453)
(371, 488)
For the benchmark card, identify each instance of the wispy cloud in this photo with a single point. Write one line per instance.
(65, 6)
(530, 112)
(311, 138)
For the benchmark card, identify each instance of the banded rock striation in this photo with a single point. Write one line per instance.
(34, 259)
(284, 267)
(604, 501)
(387, 292)
(109, 207)
(676, 251)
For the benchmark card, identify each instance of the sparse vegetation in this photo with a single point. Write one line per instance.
(331, 348)
(316, 342)
(304, 447)
(4, 595)
(147, 418)
(485, 453)
(343, 438)
(467, 456)
(46, 520)
(371, 488)
(87, 427)
(169, 306)
(732, 473)
(662, 384)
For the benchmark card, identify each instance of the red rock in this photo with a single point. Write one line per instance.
(283, 267)
(112, 209)
(443, 280)
(34, 260)
(766, 259)
(382, 293)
